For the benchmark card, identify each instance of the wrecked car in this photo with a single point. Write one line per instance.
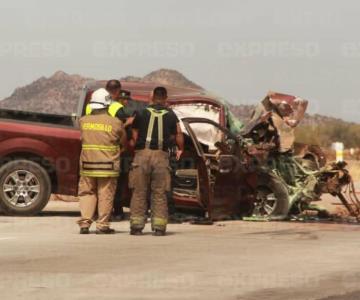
(221, 173)
(262, 159)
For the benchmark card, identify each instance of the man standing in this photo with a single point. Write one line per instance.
(153, 128)
(101, 136)
(119, 102)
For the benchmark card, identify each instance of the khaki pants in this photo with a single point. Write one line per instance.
(149, 169)
(96, 194)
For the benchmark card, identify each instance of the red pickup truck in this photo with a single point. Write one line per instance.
(39, 155)
(39, 152)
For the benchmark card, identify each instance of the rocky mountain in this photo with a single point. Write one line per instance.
(57, 94)
(241, 111)
(171, 77)
(166, 77)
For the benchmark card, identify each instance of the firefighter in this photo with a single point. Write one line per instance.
(153, 130)
(118, 100)
(101, 135)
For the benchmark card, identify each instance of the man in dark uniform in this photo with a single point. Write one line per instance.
(120, 100)
(113, 86)
(121, 195)
(154, 128)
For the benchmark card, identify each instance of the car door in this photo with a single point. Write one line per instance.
(221, 183)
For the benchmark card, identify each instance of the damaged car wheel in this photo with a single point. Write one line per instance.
(271, 199)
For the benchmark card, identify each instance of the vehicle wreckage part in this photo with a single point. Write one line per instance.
(25, 188)
(272, 198)
(350, 201)
(310, 163)
(205, 133)
(298, 182)
(336, 180)
(290, 181)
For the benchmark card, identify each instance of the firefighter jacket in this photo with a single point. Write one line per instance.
(101, 135)
(112, 109)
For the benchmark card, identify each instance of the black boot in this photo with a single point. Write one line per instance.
(159, 232)
(84, 230)
(136, 231)
(105, 231)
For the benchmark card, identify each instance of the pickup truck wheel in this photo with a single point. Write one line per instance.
(25, 188)
(272, 199)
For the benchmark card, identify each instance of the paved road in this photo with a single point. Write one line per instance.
(45, 258)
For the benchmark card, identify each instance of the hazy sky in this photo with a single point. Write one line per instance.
(238, 49)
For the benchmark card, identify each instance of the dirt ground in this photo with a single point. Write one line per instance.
(354, 169)
(44, 257)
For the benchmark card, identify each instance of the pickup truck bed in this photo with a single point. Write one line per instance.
(36, 117)
(39, 152)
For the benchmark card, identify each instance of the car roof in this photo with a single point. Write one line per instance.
(140, 91)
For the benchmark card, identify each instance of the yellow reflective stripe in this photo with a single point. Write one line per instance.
(100, 147)
(100, 173)
(160, 132)
(137, 220)
(159, 115)
(150, 131)
(159, 222)
(114, 108)
(88, 110)
(89, 126)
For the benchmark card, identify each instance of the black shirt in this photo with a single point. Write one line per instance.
(141, 123)
(122, 115)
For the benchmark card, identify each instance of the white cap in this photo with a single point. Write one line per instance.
(100, 99)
